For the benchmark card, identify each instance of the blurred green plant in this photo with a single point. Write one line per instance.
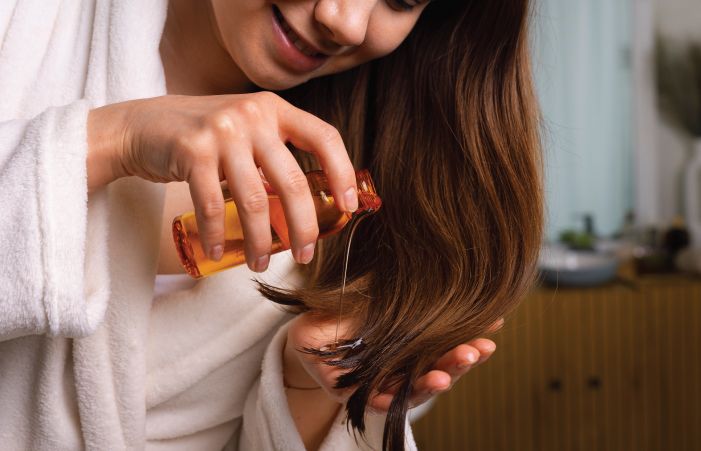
(580, 241)
(678, 70)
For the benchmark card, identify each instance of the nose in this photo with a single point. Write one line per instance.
(344, 21)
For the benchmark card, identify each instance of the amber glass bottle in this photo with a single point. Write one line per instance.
(330, 219)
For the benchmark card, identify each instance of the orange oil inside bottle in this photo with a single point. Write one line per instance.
(330, 220)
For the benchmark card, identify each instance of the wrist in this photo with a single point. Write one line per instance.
(106, 138)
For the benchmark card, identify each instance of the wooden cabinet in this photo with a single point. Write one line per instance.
(610, 368)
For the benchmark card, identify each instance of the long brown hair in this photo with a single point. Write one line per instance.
(448, 126)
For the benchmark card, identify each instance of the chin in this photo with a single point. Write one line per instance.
(276, 82)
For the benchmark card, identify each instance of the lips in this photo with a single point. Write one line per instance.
(297, 40)
(295, 52)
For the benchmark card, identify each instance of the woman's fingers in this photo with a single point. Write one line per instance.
(447, 371)
(426, 386)
(449, 368)
(465, 355)
(251, 201)
(458, 358)
(209, 207)
(498, 324)
(429, 385)
(205, 139)
(307, 132)
(485, 347)
(285, 176)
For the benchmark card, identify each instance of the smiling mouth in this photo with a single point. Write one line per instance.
(294, 38)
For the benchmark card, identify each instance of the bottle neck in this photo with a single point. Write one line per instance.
(368, 199)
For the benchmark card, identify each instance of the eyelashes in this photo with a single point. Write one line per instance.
(404, 5)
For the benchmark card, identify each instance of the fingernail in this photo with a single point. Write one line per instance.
(262, 263)
(307, 253)
(470, 359)
(351, 199)
(216, 252)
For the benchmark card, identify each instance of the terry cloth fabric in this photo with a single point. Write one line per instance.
(88, 358)
(169, 283)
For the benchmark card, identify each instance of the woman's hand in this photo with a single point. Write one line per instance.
(305, 371)
(446, 372)
(205, 140)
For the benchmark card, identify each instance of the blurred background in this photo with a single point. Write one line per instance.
(605, 354)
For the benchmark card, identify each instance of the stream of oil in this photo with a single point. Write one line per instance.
(353, 225)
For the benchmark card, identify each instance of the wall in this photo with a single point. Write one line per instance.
(583, 73)
(678, 19)
(681, 18)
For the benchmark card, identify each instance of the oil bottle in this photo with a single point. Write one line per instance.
(330, 219)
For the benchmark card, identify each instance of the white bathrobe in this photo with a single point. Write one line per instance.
(88, 359)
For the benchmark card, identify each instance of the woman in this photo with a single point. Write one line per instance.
(162, 374)
(447, 124)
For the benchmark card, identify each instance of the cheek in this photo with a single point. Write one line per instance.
(237, 20)
(386, 34)
(383, 36)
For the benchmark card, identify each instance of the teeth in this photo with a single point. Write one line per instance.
(296, 40)
(299, 44)
(306, 50)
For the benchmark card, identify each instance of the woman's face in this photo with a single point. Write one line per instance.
(282, 43)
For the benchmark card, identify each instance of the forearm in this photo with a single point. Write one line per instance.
(312, 410)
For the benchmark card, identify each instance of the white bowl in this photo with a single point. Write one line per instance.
(563, 267)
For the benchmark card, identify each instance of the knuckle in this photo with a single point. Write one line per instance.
(249, 108)
(212, 210)
(255, 202)
(330, 135)
(219, 122)
(296, 183)
(268, 97)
